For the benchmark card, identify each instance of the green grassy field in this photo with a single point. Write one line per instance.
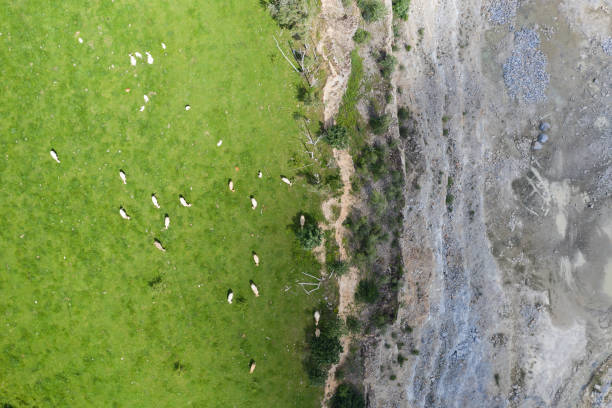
(92, 313)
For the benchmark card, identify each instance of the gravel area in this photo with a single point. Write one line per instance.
(502, 11)
(607, 45)
(525, 73)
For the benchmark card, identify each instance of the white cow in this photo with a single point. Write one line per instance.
(149, 58)
(259, 174)
(317, 316)
(123, 214)
(184, 202)
(302, 221)
(230, 296)
(154, 200)
(255, 259)
(286, 181)
(132, 60)
(166, 221)
(139, 55)
(122, 176)
(146, 98)
(230, 185)
(252, 367)
(253, 202)
(254, 289)
(53, 154)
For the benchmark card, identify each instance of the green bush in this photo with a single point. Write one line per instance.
(347, 396)
(306, 94)
(289, 14)
(361, 36)
(338, 267)
(334, 181)
(353, 324)
(367, 291)
(403, 113)
(310, 235)
(380, 123)
(387, 65)
(372, 10)
(400, 8)
(337, 136)
(324, 350)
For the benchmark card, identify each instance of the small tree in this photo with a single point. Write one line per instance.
(372, 10)
(387, 64)
(347, 396)
(337, 136)
(367, 291)
(361, 36)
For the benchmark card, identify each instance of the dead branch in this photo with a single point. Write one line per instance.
(288, 60)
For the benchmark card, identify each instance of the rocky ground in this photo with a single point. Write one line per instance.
(507, 296)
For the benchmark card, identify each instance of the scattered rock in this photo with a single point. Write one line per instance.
(542, 138)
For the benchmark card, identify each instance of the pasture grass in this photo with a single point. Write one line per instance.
(92, 313)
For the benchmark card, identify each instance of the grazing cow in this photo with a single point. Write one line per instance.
(317, 316)
(230, 184)
(253, 203)
(187, 107)
(259, 174)
(163, 46)
(184, 202)
(159, 245)
(219, 143)
(252, 367)
(166, 221)
(317, 332)
(146, 98)
(53, 154)
(123, 214)
(255, 259)
(254, 289)
(149, 58)
(122, 176)
(154, 200)
(230, 296)
(132, 60)
(286, 181)
(142, 108)
(302, 221)
(139, 55)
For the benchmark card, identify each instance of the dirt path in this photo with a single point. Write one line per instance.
(348, 282)
(337, 27)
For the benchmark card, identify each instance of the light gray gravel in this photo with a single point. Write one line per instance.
(525, 73)
(502, 11)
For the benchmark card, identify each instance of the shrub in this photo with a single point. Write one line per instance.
(361, 36)
(288, 14)
(347, 396)
(371, 10)
(401, 359)
(400, 8)
(403, 113)
(367, 291)
(338, 267)
(334, 181)
(353, 324)
(414, 352)
(324, 350)
(337, 136)
(306, 94)
(380, 123)
(310, 235)
(387, 65)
